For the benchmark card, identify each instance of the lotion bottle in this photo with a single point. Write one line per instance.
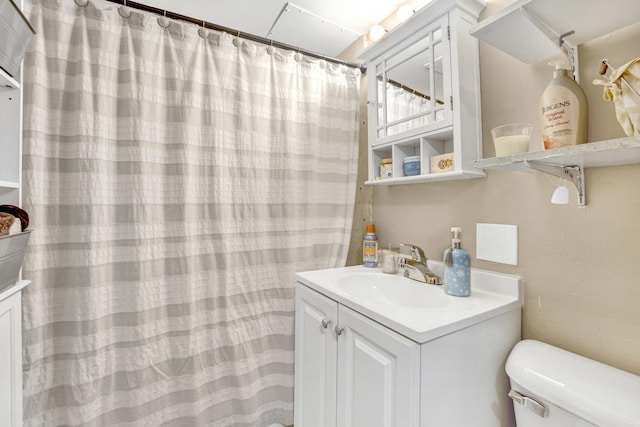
(563, 110)
(457, 267)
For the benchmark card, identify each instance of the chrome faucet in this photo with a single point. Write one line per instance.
(415, 268)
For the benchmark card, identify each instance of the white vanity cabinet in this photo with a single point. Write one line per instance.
(351, 371)
(380, 350)
(423, 94)
(11, 355)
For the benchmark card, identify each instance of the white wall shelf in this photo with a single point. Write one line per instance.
(7, 81)
(529, 30)
(436, 177)
(9, 184)
(614, 152)
(570, 162)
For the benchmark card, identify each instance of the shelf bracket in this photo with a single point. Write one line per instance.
(570, 51)
(572, 54)
(573, 173)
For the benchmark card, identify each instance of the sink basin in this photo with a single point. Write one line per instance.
(419, 311)
(394, 290)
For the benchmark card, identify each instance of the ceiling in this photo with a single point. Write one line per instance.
(326, 27)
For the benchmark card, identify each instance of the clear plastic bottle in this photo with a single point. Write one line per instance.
(370, 247)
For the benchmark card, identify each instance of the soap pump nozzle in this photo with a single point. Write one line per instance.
(455, 244)
(560, 68)
(455, 241)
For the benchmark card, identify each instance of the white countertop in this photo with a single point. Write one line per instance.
(491, 295)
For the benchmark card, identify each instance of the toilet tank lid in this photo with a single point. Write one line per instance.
(598, 393)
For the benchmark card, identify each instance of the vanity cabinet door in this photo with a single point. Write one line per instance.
(315, 359)
(11, 361)
(378, 375)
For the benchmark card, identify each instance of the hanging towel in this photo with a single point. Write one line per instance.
(623, 88)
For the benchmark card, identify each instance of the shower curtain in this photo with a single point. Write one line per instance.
(176, 178)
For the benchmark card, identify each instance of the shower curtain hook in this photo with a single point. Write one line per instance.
(203, 31)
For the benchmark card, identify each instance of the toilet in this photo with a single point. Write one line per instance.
(551, 387)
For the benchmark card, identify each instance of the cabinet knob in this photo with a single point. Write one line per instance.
(338, 330)
(326, 323)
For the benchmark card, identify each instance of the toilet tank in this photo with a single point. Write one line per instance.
(552, 387)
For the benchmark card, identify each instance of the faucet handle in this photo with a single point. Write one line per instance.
(417, 254)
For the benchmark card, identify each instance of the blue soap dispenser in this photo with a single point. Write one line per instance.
(457, 267)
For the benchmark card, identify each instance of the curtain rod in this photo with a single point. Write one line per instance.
(247, 36)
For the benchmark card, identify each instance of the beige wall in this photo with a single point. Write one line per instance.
(581, 266)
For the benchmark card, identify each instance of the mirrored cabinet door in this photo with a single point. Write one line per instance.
(413, 91)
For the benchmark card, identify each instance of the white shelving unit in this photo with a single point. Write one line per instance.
(532, 30)
(11, 410)
(11, 132)
(7, 81)
(432, 58)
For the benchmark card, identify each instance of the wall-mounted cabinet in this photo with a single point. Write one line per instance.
(423, 94)
(15, 33)
(11, 134)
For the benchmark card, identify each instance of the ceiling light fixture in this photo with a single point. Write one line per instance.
(404, 12)
(377, 32)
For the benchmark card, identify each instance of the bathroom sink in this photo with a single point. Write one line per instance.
(417, 310)
(393, 290)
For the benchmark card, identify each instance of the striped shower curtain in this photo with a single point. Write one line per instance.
(176, 178)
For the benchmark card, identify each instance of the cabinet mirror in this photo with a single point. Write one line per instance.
(411, 86)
